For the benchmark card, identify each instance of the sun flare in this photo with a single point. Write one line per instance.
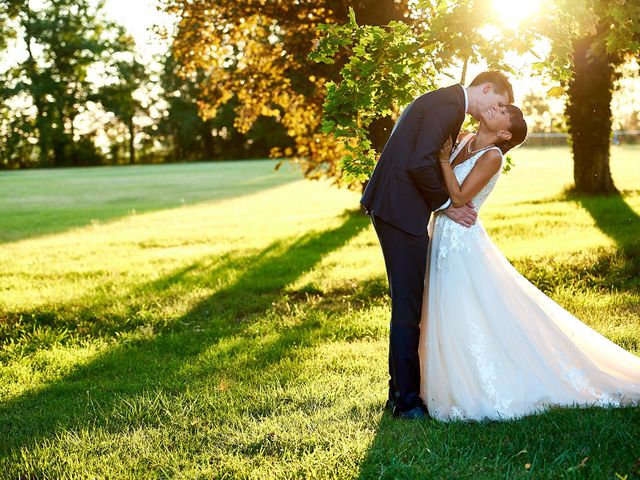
(514, 12)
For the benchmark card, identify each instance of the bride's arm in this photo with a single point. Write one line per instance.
(485, 168)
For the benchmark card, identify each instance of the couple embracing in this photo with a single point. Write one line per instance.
(470, 337)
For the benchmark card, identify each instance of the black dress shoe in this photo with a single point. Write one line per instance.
(415, 413)
(390, 405)
(392, 401)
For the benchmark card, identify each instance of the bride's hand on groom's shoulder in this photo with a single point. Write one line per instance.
(464, 215)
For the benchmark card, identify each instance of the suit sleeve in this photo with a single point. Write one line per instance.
(423, 164)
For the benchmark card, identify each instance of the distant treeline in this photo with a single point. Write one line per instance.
(80, 96)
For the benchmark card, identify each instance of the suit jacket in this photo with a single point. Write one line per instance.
(406, 184)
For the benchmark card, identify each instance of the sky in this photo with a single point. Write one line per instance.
(138, 17)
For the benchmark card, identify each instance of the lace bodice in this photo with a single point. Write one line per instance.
(463, 169)
(455, 236)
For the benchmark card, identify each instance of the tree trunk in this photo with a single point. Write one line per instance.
(59, 143)
(62, 154)
(207, 140)
(42, 123)
(132, 133)
(380, 12)
(589, 119)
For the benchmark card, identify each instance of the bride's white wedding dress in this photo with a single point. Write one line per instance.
(493, 346)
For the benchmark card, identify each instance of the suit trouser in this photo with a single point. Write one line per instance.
(405, 257)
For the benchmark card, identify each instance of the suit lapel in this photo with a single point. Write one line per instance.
(459, 90)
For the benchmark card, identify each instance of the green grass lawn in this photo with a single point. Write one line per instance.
(223, 320)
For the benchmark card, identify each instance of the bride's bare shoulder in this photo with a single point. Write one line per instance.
(491, 159)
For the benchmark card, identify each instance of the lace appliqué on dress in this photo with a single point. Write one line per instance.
(578, 379)
(455, 414)
(455, 237)
(479, 347)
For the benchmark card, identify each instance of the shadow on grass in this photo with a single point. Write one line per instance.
(616, 219)
(613, 216)
(49, 201)
(167, 361)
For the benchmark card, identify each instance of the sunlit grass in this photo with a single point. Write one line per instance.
(243, 331)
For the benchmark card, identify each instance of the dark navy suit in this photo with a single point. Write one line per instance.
(405, 188)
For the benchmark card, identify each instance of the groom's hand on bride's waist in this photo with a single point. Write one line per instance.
(464, 215)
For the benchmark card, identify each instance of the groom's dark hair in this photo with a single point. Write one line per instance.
(499, 81)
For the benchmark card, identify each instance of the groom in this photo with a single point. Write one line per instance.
(404, 189)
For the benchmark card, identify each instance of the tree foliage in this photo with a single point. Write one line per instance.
(8, 11)
(258, 52)
(118, 96)
(255, 53)
(588, 39)
(64, 40)
(185, 135)
(389, 66)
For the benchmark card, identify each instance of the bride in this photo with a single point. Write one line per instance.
(493, 346)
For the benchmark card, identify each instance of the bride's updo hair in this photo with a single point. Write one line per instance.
(518, 129)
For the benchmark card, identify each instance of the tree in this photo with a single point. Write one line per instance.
(590, 39)
(187, 136)
(255, 53)
(16, 130)
(371, 68)
(8, 11)
(118, 97)
(63, 40)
